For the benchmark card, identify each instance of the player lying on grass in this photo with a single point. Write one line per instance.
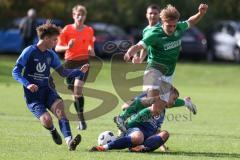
(145, 132)
(36, 61)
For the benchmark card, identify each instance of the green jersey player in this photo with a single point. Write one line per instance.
(163, 44)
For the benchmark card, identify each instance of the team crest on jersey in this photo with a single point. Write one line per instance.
(49, 60)
(41, 67)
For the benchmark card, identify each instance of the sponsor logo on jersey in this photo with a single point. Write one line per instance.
(172, 45)
(41, 67)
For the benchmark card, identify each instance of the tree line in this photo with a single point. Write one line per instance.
(125, 13)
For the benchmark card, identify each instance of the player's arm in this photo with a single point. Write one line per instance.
(91, 51)
(63, 48)
(133, 50)
(202, 9)
(141, 57)
(20, 65)
(17, 75)
(72, 72)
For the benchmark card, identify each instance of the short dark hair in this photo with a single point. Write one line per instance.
(154, 6)
(47, 29)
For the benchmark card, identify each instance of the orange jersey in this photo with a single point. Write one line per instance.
(83, 39)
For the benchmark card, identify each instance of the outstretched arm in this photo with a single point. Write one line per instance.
(202, 9)
(132, 51)
(141, 57)
(72, 72)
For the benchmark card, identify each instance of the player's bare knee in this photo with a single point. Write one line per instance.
(137, 138)
(164, 135)
(46, 119)
(78, 87)
(58, 109)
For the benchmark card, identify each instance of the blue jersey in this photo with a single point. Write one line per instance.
(153, 124)
(37, 65)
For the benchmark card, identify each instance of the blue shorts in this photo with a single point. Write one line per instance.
(145, 132)
(38, 102)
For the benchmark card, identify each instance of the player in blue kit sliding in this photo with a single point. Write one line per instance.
(36, 61)
(143, 136)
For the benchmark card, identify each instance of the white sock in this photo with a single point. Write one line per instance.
(105, 146)
(68, 139)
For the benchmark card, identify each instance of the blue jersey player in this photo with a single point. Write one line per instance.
(35, 61)
(143, 134)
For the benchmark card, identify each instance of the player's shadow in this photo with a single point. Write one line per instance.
(198, 154)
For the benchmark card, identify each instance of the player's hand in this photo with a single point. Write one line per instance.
(127, 57)
(203, 8)
(84, 68)
(71, 43)
(136, 60)
(32, 87)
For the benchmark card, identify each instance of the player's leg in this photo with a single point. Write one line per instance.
(132, 138)
(40, 111)
(56, 105)
(57, 109)
(155, 141)
(147, 113)
(152, 143)
(79, 103)
(76, 86)
(186, 102)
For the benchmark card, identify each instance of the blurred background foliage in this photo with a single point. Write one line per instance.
(125, 13)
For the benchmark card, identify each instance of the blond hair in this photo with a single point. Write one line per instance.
(79, 8)
(169, 13)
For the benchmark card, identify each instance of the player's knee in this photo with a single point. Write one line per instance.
(164, 135)
(59, 111)
(78, 87)
(46, 119)
(137, 138)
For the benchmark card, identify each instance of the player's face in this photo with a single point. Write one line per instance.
(169, 26)
(152, 16)
(51, 41)
(79, 17)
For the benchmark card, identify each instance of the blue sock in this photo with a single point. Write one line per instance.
(153, 142)
(65, 127)
(121, 143)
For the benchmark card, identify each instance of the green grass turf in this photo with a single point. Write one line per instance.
(212, 134)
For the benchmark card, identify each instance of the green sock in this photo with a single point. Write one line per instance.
(140, 117)
(135, 107)
(179, 103)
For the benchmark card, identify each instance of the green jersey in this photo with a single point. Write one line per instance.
(163, 50)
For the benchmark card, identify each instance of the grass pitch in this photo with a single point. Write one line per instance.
(212, 134)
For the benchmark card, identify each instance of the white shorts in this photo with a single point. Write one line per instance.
(154, 80)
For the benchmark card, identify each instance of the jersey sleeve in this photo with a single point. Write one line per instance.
(24, 56)
(20, 64)
(183, 26)
(149, 38)
(62, 38)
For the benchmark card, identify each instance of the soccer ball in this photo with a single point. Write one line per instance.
(106, 137)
